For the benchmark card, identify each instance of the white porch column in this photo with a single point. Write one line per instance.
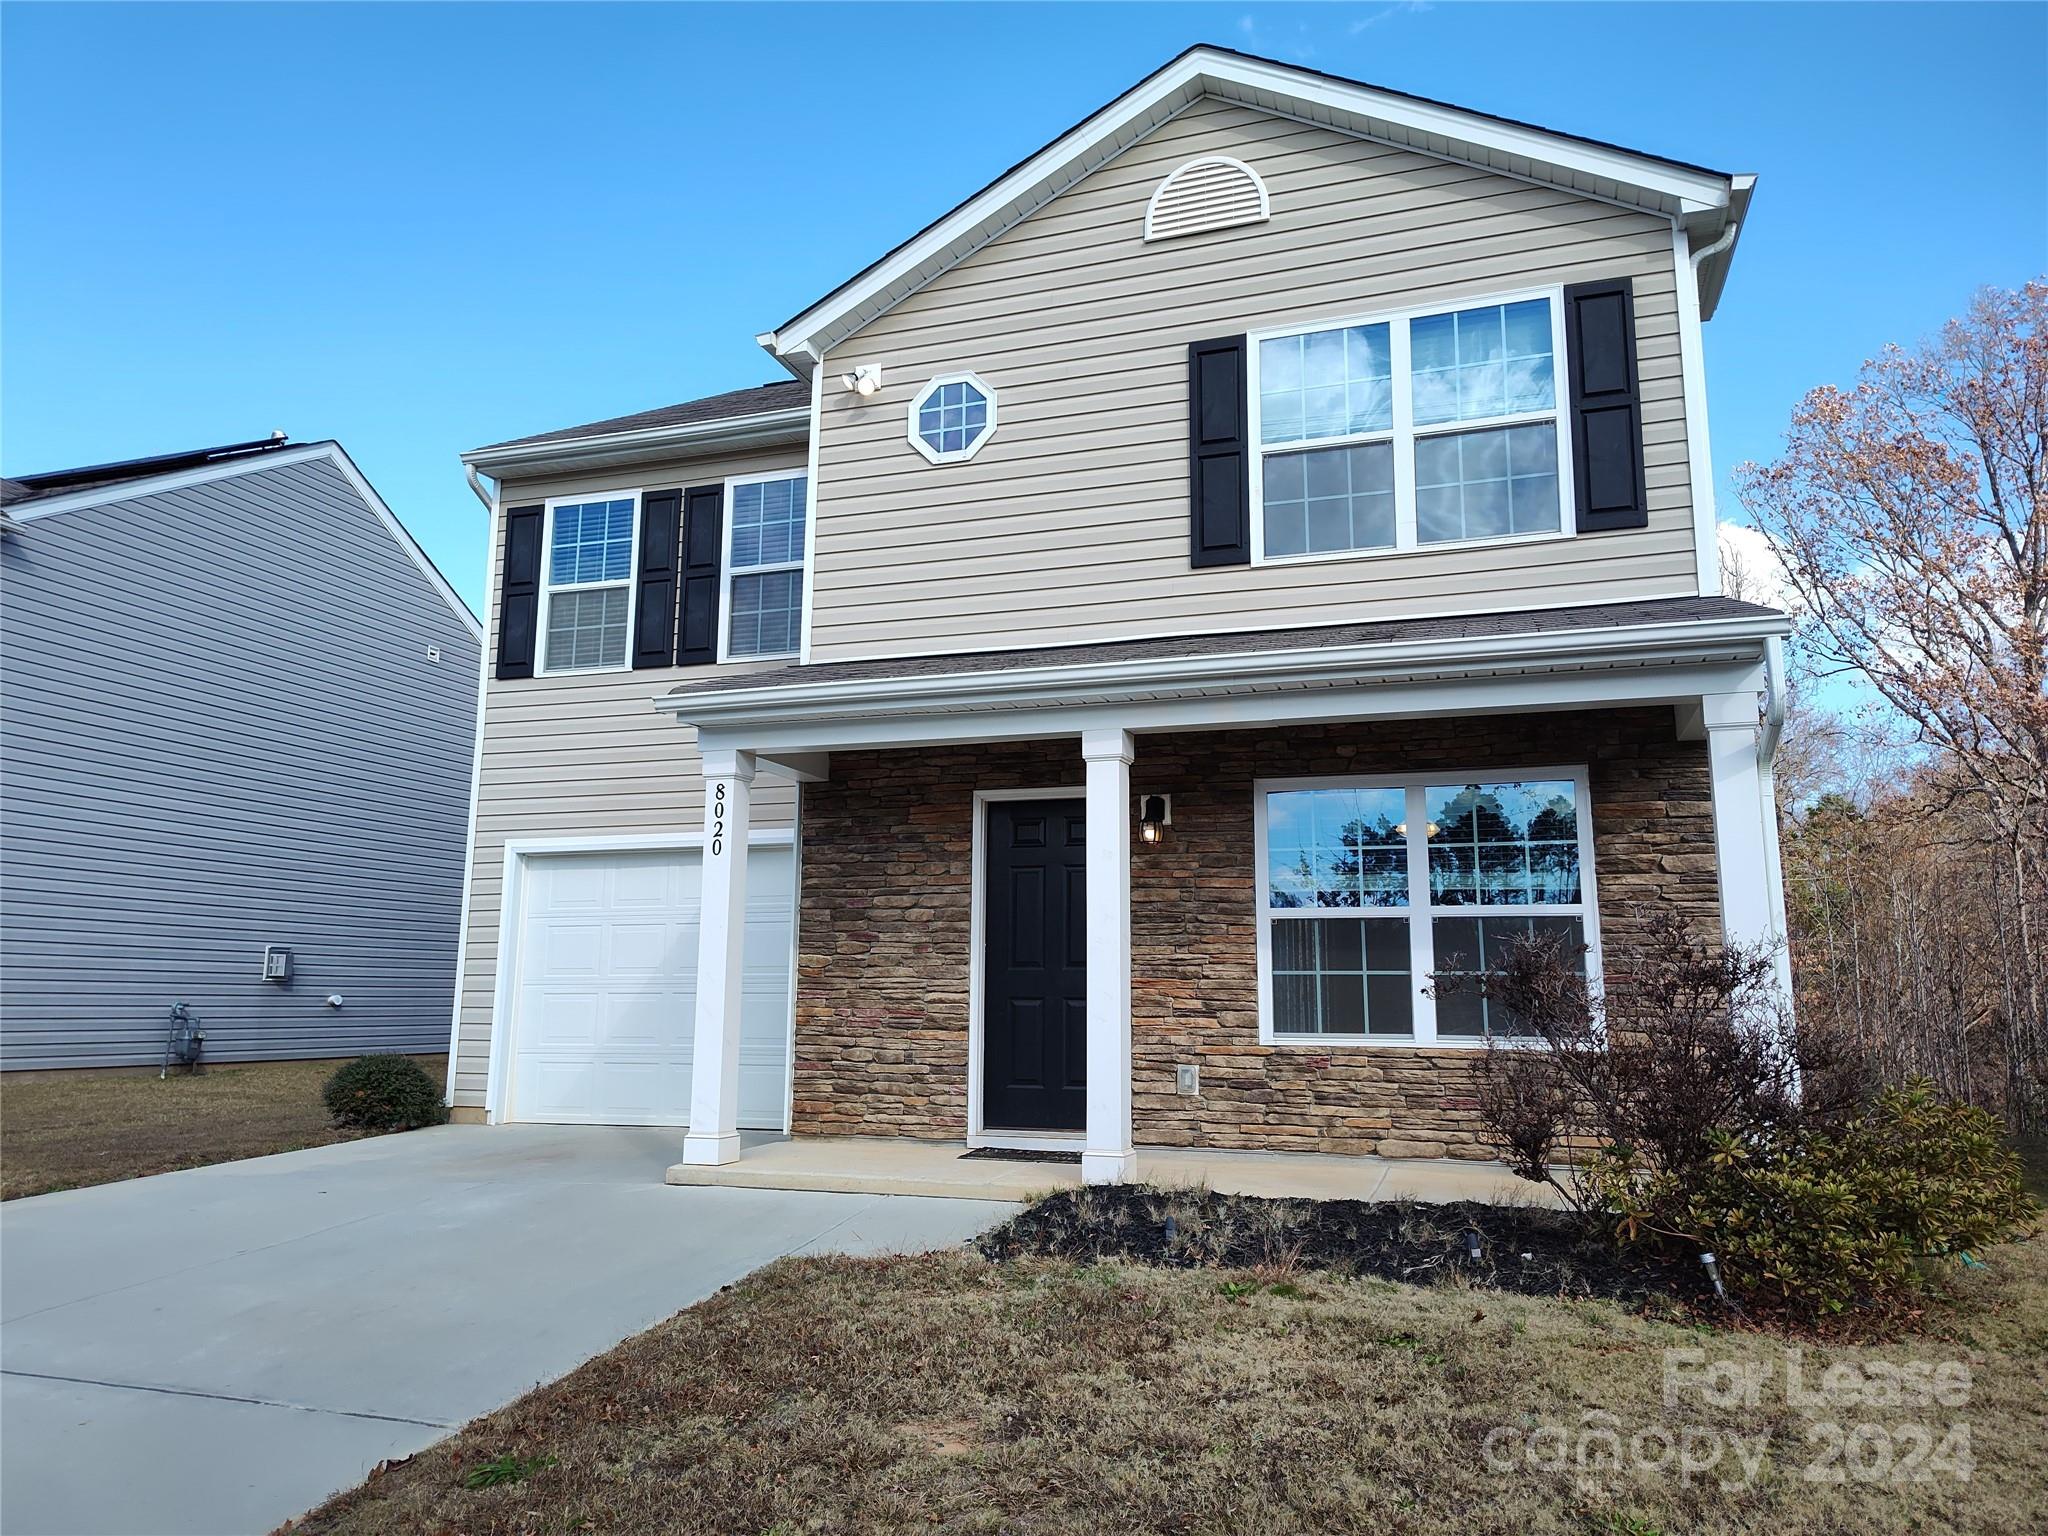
(1745, 828)
(1107, 1157)
(721, 931)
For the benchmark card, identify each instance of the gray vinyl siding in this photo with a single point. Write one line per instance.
(1071, 523)
(222, 731)
(581, 755)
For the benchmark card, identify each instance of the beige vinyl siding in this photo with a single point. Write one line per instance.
(1071, 523)
(583, 754)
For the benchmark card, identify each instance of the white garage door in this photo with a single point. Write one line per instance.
(607, 980)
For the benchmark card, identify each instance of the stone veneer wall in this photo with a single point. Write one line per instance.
(883, 925)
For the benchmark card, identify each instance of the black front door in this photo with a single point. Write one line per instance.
(1035, 967)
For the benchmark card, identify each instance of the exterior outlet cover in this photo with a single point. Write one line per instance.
(1187, 1078)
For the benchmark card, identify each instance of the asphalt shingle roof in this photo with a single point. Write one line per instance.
(1669, 610)
(782, 395)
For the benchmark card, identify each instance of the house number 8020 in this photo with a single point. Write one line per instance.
(718, 819)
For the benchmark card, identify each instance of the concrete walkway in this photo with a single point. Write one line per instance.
(215, 1351)
(889, 1165)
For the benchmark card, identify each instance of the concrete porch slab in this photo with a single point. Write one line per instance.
(887, 1165)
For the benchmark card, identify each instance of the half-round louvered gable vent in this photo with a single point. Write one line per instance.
(1214, 192)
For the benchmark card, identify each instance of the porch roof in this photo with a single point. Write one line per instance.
(1671, 649)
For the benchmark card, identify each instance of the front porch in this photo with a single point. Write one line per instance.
(895, 1165)
(1154, 989)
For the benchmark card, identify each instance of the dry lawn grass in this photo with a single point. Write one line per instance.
(65, 1130)
(947, 1393)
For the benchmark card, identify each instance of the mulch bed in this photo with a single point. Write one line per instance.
(1529, 1251)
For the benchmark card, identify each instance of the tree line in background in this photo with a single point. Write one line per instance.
(1909, 519)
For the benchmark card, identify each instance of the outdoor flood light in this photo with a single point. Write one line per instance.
(864, 380)
(1155, 815)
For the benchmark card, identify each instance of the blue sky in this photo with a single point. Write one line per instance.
(421, 228)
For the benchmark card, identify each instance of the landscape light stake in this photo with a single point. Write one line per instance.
(1472, 1245)
(1714, 1274)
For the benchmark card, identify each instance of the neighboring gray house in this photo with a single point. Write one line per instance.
(239, 712)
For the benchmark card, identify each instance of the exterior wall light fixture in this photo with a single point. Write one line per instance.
(864, 380)
(1155, 815)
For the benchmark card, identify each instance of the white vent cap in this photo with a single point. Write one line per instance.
(1214, 192)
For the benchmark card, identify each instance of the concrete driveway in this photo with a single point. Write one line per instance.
(215, 1351)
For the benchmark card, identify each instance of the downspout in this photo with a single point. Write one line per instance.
(1773, 728)
(476, 484)
(1774, 702)
(1727, 239)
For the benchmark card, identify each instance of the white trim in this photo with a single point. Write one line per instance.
(801, 565)
(1420, 912)
(811, 504)
(1347, 106)
(977, 930)
(476, 782)
(931, 386)
(155, 485)
(796, 942)
(1404, 434)
(1668, 684)
(511, 921)
(631, 582)
(1166, 185)
(1699, 456)
(1632, 647)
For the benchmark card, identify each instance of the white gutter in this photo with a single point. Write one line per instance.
(476, 484)
(1153, 676)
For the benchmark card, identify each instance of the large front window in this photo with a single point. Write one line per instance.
(589, 587)
(765, 566)
(1370, 889)
(1408, 431)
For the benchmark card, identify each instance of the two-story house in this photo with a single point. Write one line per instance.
(1254, 556)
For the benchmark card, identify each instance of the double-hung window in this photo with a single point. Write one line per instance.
(588, 591)
(764, 565)
(1372, 889)
(1410, 430)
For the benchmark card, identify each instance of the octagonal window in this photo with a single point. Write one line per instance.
(952, 416)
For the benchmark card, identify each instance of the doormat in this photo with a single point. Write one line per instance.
(1019, 1155)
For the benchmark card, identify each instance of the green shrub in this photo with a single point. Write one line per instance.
(1812, 1222)
(383, 1093)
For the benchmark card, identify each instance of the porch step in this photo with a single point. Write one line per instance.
(882, 1165)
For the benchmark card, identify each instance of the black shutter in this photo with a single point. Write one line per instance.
(1219, 460)
(654, 623)
(1607, 406)
(519, 591)
(703, 540)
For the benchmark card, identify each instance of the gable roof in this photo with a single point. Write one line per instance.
(74, 490)
(1709, 203)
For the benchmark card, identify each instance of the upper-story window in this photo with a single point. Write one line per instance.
(952, 416)
(764, 565)
(588, 593)
(1410, 430)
